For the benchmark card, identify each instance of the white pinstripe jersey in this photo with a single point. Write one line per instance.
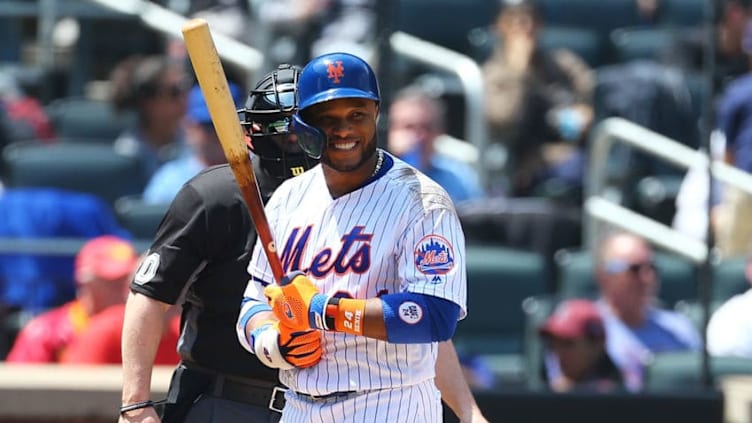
(399, 233)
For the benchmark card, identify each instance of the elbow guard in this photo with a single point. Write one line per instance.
(416, 318)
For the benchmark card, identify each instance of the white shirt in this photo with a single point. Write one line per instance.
(730, 327)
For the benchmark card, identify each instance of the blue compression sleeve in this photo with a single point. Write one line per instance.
(416, 318)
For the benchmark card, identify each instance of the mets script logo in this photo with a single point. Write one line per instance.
(335, 72)
(434, 255)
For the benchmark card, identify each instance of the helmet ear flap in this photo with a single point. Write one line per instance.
(310, 139)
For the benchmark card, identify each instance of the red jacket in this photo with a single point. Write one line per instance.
(100, 343)
(44, 338)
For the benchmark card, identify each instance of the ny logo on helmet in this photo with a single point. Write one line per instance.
(335, 72)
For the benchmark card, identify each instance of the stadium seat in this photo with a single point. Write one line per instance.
(678, 277)
(682, 12)
(599, 15)
(729, 278)
(83, 167)
(449, 23)
(538, 225)
(584, 42)
(141, 219)
(85, 119)
(498, 281)
(682, 371)
(694, 311)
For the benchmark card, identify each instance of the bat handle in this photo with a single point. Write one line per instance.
(279, 274)
(288, 278)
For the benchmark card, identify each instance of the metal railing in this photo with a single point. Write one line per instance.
(601, 209)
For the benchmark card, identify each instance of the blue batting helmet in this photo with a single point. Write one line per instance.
(330, 77)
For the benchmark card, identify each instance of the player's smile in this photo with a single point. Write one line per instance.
(343, 145)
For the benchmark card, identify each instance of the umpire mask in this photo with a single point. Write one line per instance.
(266, 119)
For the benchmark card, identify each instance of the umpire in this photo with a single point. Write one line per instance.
(201, 251)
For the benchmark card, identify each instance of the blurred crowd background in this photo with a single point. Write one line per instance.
(571, 134)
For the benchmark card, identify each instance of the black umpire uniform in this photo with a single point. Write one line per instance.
(201, 250)
(204, 243)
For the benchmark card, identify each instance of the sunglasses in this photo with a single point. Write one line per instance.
(621, 266)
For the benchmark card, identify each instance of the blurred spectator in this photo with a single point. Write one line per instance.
(656, 97)
(203, 146)
(731, 58)
(732, 143)
(648, 10)
(577, 358)
(156, 89)
(730, 326)
(735, 118)
(731, 222)
(22, 117)
(538, 103)
(102, 270)
(416, 120)
(99, 343)
(636, 327)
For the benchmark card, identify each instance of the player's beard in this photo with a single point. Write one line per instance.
(367, 153)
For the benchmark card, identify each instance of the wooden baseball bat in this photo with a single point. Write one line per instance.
(211, 77)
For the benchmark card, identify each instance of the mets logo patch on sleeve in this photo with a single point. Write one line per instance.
(434, 255)
(410, 312)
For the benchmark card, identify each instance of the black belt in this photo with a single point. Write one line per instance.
(272, 397)
(327, 397)
(254, 392)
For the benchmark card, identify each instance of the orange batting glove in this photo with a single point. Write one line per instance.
(278, 347)
(297, 303)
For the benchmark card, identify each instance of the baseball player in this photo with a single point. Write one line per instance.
(375, 255)
(202, 248)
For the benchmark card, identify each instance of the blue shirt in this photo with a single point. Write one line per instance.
(169, 178)
(657, 338)
(133, 143)
(631, 350)
(458, 179)
(735, 120)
